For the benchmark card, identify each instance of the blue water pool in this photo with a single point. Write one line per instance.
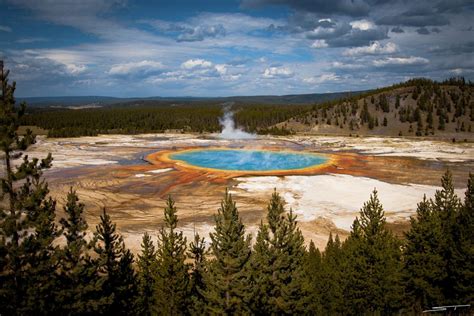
(248, 160)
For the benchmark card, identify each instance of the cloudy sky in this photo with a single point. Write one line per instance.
(235, 47)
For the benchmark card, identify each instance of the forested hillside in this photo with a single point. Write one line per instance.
(131, 120)
(418, 107)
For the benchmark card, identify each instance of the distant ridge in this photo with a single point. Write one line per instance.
(68, 101)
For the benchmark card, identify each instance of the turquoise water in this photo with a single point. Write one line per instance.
(248, 160)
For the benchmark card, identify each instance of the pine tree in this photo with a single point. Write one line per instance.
(442, 122)
(27, 228)
(74, 230)
(80, 284)
(278, 262)
(354, 272)
(146, 264)
(41, 255)
(172, 279)
(377, 276)
(313, 272)
(464, 256)
(331, 286)
(424, 266)
(438, 252)
(197, 252)
(429, 120)
(365, 115)
(447, 206)
(261, 272)
(371, 122)
(114, 264)
(227, 287)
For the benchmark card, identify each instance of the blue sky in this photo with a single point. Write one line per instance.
(221, 48)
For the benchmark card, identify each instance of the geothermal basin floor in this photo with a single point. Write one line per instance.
(111, 171)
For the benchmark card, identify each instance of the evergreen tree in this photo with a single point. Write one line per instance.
(278, 263)
(375, 264)
(227, 287)
(74, 229)
(354, 271)
(429, 120)
(114, 264)
(41, 255)
(172, 279)
(442, 122)
(447, 206)
(365, 115)
(80, 286)
(313, 272)
(27, 228)
(384, 105)
(331, 286)
(146, 264)
(464, 256)
(439, 249)
(424, 266)
(261, 272)
(197, 252)
(371, 122)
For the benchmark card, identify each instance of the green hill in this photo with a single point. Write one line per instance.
(418, 107)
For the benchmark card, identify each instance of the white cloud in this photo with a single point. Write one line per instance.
(75, 69)
(232, 77)
(319, 44)
(221, 69)
(322, 78)
(196, 63)
(69, 63)
(5, 28)
(324, 20)
(277, 72)
(198, 70)
(213, 25)
(362, 25)
(395, 61)
(321, 32)
(199, 33)
(235, 22)
(345, 66)
(373, 49)
(132, 67)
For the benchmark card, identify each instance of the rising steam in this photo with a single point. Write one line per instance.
(229, 130)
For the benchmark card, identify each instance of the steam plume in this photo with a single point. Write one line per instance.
(229, 130)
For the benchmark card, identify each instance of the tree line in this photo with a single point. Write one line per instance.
(199, 118)
(371, 272)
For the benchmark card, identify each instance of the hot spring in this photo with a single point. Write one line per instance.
(248, 160)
